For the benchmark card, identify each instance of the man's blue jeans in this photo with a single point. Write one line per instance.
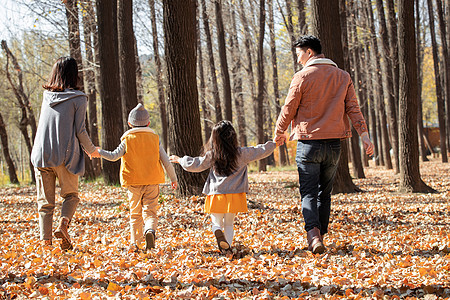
(317, 162)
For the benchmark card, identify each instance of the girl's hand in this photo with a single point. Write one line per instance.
(174, 159)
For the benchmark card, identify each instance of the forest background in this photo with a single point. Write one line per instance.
(240, 76)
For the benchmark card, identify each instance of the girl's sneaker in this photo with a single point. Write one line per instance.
(221, 241)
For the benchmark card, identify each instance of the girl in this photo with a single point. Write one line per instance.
(227, 182)
(58, 148)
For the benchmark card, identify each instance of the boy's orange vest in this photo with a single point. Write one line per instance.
(140, 163)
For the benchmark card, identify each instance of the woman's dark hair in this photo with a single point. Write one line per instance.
(224, 147)
(309, 41)
(64, 75)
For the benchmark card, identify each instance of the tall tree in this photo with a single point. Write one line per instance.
(410, 180)
(159, 75)
(446, 62)
(248, 51)
(290, 28)
(262, 164)
(109, 84)
(223, 61)
(385, 145)
(303, 28)
(388, 80)
(276, 92)
(437, 76)
(212, 65)
(73, 23)
(5, 147)
(355, 152)
(27, 114)
(90, 31)
(237, 81)
(127, 57)
(419, 55)
(184, 115)
(326, 25)
(393, 41)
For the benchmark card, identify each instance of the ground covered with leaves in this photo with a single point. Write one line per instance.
(381, 244)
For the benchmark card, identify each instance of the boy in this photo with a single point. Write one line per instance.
(141, 173)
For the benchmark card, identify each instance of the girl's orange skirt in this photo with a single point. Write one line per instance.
(226, 203)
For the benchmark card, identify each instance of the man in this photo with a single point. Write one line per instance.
(320, 100)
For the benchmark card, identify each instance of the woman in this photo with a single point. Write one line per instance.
(58, 148)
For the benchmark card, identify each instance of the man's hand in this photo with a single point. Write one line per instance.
(174, 185)
(280, 139)
(174, 159)
(368, 146)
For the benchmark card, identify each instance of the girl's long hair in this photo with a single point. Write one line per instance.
(224, 148)
(64, 75)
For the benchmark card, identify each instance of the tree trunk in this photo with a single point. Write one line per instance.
(393, 42)
(4, 139)
(159, 76)
(184, 115)
(276, 92)
(212, 66)
(437, 76)
(127, 58)
(388, 83)
(259, 117)
(27, 114)
(223, 61)
(443, 35)
(89, 79)
(207, 122)
(303, 28)
(355, 152)
(290, 28)
(237, 81)
(248, 52)
(109, 85)
(419, 55)
(379, 90)
(410, 180)
(75, 52)
(326, 25)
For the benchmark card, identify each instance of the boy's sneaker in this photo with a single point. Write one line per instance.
(221, 241)
(150, 239)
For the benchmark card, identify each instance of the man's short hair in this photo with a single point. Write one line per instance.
(309, 41)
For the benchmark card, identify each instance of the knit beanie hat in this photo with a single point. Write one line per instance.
(139, 116)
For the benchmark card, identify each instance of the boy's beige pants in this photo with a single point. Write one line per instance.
(143, 201)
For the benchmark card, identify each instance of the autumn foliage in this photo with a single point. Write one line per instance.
(381, 245)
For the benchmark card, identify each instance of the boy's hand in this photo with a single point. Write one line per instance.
(174, 185)
(174, 159)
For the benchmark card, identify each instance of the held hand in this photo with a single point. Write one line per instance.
(280, 139)
(368, 146)
(95, 154)
(174, 159)
(174, 185)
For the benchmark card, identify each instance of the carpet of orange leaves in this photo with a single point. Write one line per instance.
(381, 245)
